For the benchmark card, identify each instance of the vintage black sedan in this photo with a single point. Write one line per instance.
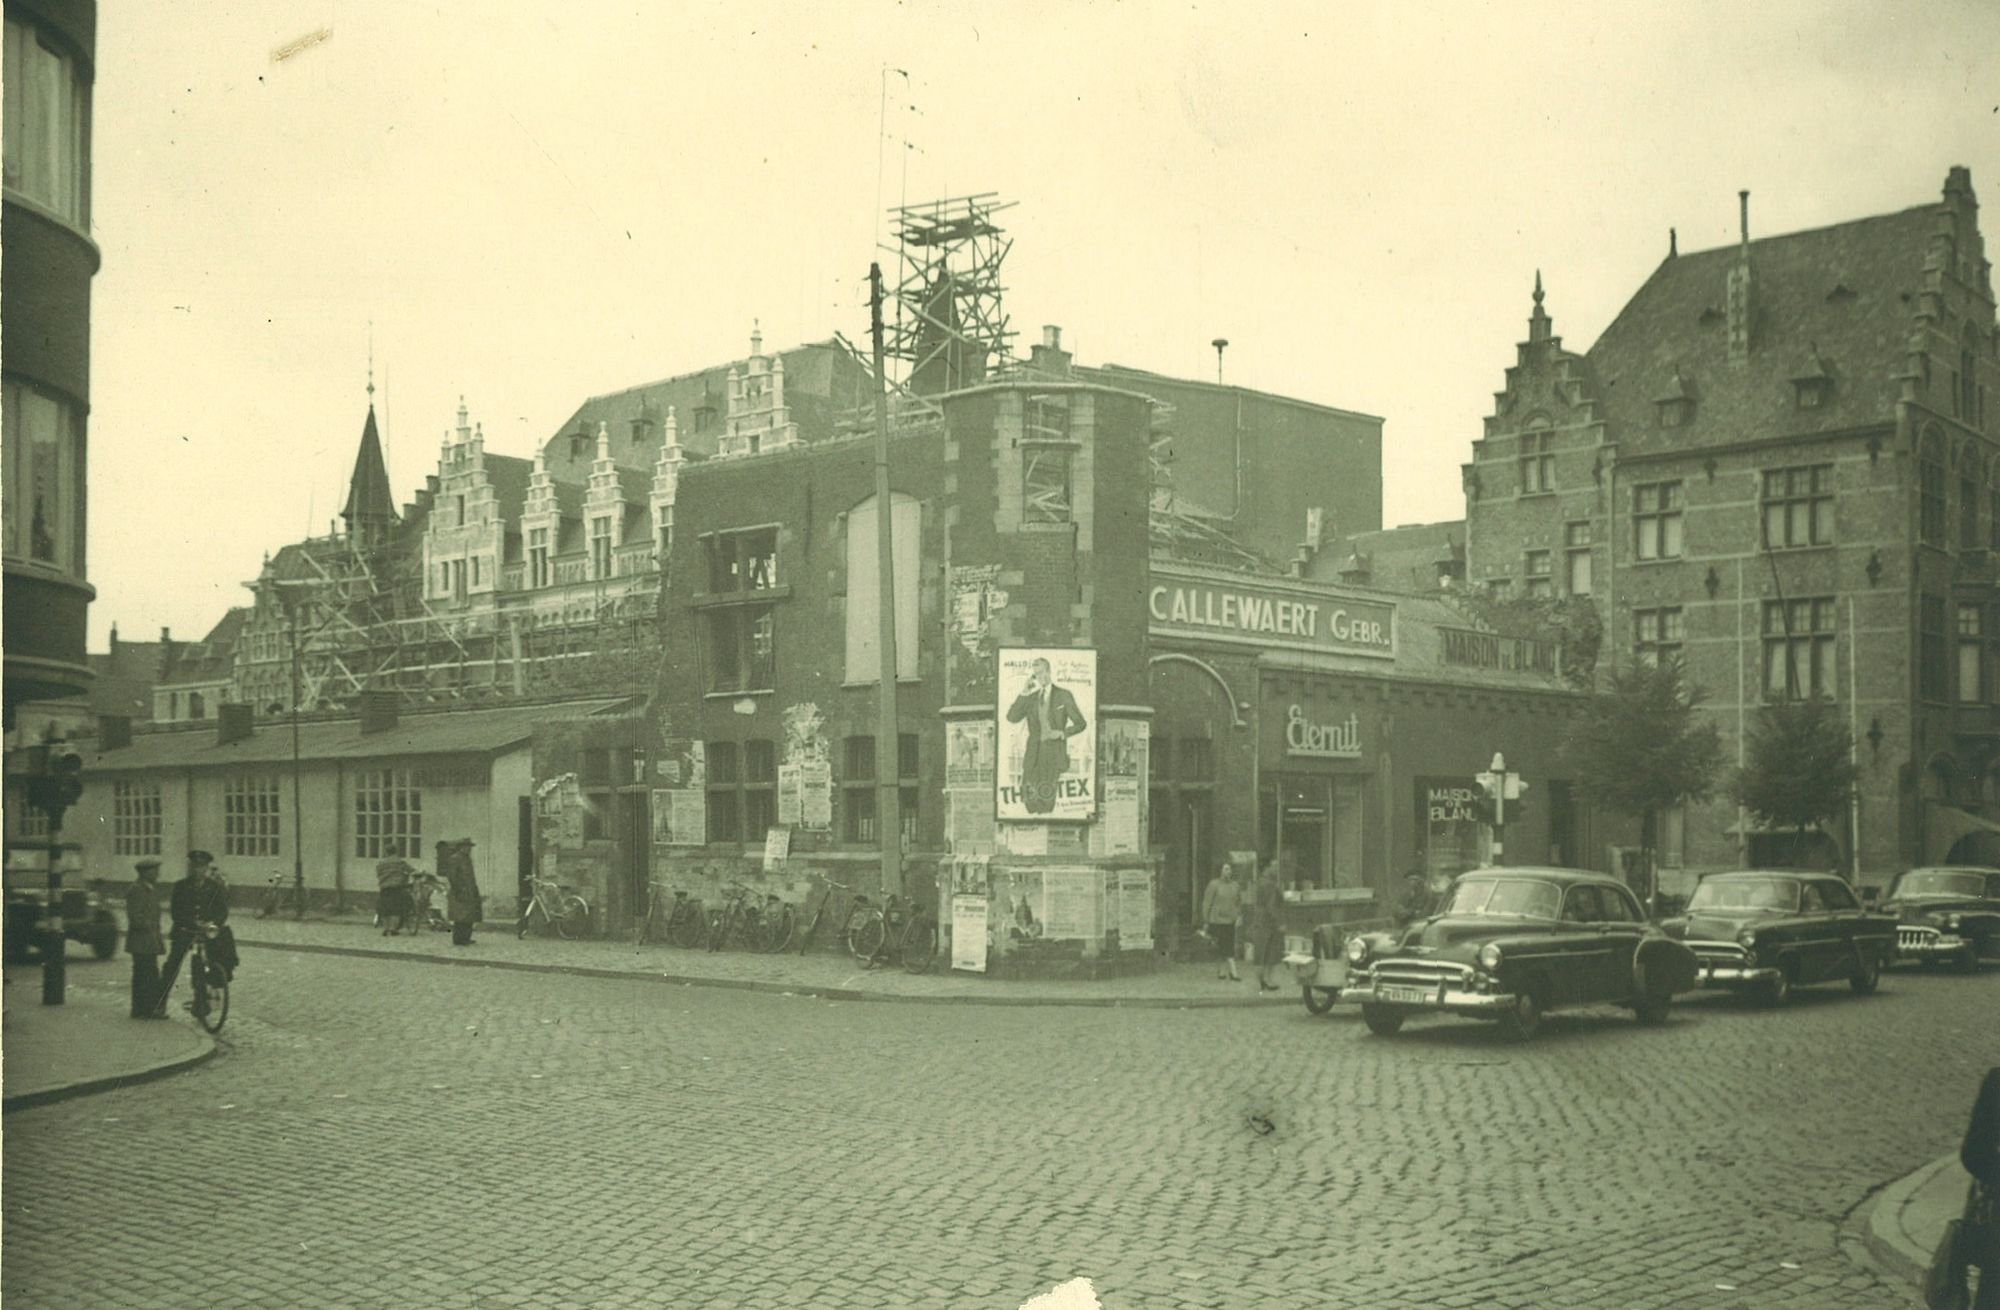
(1767, 931)
(1512, 945)
(1946, 915)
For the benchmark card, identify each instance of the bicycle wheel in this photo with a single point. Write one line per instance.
(866, 933)
(575, 920)
(521, 924)
(685, 927)
(778, 928)
(920, 943)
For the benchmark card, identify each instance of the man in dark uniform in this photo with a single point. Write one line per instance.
(198, 898)
(142, 938)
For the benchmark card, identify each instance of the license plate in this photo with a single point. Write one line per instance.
(1404, 995)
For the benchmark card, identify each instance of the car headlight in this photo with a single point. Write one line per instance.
(1489, 956)
(1747, 939)
(1357, 950)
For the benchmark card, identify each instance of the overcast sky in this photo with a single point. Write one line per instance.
(535, 204)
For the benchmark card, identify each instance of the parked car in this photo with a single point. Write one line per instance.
(1949, 913)
(1766, 931)
(87, 917)
(1514, 944)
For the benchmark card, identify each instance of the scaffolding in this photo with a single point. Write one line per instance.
(949, 328)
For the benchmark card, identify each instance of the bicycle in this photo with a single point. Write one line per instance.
(280, 892)
(737, 923)
(680, 922)
(209, 983)
(777, 924)
(563, 912)
(812, 925)
(901, 930)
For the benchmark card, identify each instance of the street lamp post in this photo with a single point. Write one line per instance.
(289, 598)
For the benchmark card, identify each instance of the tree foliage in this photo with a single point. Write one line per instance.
(1798, 768)
(1641, 745)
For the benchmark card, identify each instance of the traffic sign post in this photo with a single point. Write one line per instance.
(1501, 786)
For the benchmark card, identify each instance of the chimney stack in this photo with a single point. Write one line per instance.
(1048, 357)
(1742, 304)
(233, 723)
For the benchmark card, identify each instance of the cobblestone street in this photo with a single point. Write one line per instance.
(388, 1134)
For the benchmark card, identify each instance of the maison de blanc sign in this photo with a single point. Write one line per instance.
(1271, 616)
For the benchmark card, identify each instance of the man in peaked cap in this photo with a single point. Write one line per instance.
(142, 938)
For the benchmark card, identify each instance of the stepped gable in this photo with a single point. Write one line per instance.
(1845, 292)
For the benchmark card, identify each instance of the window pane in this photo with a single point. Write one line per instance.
(1670, 545)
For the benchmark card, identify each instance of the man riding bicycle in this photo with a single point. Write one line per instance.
(200, 906)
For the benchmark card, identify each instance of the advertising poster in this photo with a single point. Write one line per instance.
(1124, 748)
(969, 819)
(1069, 903)
(1028, 838)
(968, 933)
(790, 799)
(969, 754)
(1135, 908)
(777, 845)
(680, 811)
(1046, 762)
(1120, 823)
(816, 796)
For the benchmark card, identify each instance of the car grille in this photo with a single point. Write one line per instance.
(1912, 938)
(1421, 973)
(1723, 953)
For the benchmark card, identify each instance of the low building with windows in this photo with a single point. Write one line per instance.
(371, 787)
(1778, 466)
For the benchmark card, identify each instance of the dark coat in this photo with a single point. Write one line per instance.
(198, 900)
(1267, 918)
(463, 903)
(1981, 1152)
(142, 920)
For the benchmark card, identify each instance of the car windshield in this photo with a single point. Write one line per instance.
(1776, 894)
(1526, 896)
(1941, 882)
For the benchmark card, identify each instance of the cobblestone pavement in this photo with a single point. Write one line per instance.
(385, 1134)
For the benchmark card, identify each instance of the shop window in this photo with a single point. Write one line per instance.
(1656, 519)
(1931, 483)
(1311, 824)
(742, 647)
(135, 818)
(1539, 567)
(47, 124)
(1798, 506)
(859, 825)
(1657, 635)
(1931, 668)
(1971, 655)
(1576, 551)
(864, 587)
(388, 815)
(1798, 649)
(1538, 463)
(41, 487)
(250, 816)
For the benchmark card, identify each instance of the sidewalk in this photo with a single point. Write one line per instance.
(820, 974)
(1908, 1217)
(89, 1043)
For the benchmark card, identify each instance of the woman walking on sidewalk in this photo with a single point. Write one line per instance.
(1221, 907)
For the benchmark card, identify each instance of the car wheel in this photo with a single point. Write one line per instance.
(1381, 1020)
(1779, 989)
(1318, 999)
(1867, 975)
(105, 944)
(1652, 1007)
(1525, 1020)
(1968, 959)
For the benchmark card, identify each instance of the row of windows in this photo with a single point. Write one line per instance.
(743, 789)
(1798, 648)
(388, 816)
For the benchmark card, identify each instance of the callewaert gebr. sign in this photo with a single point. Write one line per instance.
(1274, 617)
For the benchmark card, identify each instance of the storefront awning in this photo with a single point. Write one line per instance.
(1947, 825)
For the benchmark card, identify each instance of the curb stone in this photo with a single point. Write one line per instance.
(807, 990)
(109, 1082)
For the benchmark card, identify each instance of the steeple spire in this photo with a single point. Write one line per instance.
(371, 509)
(1538, 322)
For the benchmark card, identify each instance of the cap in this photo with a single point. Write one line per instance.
(200, 857)
(148, 863)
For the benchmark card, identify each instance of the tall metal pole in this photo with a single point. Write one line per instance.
(888, 759)
(298, 813)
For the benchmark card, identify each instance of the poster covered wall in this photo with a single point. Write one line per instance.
(1046, 767)
(680, 809)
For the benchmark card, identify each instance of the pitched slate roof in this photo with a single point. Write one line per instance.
(211, 659)
(444, 732)
(1842, 291)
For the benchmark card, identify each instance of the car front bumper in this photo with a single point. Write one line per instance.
(1450, 999)
(1736, 975)
(1932, 948)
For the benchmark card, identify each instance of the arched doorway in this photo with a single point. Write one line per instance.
(1194, 716)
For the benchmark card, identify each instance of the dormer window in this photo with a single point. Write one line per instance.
(1674, 406)
(579, 444)
(704, 417)
(1811, 388)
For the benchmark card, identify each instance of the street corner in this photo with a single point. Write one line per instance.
(1900, 1227)
(87, 1044)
